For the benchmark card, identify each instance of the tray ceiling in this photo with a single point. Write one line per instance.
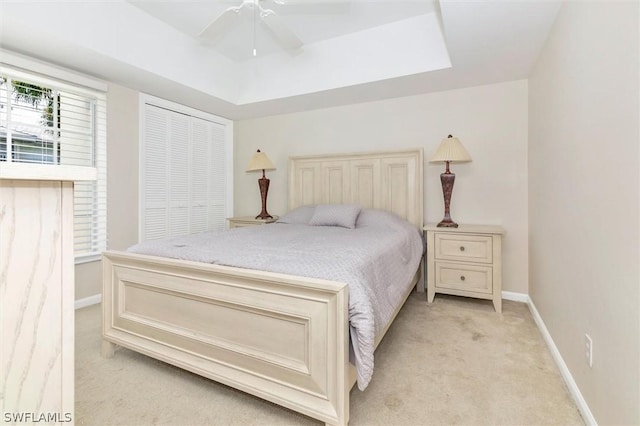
(354, 51)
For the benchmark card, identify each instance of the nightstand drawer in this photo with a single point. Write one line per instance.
(469, 248)
(454, 276)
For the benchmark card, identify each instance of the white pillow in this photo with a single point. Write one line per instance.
(343, 215)
(298, 216)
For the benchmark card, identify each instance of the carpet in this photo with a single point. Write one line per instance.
(455, 361)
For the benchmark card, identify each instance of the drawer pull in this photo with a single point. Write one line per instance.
(462, 278)
(461, 248)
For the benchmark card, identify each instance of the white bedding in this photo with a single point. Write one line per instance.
(377, 259)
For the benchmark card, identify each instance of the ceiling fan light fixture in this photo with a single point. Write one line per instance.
(281, 32)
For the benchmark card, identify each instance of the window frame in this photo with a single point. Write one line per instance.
(40, 73)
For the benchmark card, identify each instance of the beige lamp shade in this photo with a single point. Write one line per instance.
(451, 149)
(260, 161)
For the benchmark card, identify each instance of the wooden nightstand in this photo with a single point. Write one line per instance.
(465, 261)
(240, 221)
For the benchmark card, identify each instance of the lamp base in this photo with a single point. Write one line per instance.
(447, 179)
(447, 223)
(263, 183)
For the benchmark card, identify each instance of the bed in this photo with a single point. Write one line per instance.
(164, 307)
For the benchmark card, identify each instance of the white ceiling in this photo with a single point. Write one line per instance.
(354, 51)
(312, 21)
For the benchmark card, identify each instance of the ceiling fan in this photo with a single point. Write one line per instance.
(283, 34)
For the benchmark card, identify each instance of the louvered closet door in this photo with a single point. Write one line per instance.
(154, 177)
(183, 174)
(208, 180)
(199, 170)
(179, 197)
(217, 178)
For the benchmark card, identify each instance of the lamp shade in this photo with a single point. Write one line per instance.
(451, 149)
(260, 161)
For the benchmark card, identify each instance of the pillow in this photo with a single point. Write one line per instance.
(298, 216)
(381, 219)
(376, 218)
(343, 215)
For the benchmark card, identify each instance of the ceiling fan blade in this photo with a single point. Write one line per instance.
(283, 34)
(221, 24)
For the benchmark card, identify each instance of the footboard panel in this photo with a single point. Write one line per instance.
(280, 337)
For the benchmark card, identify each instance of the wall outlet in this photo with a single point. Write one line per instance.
(588, 349)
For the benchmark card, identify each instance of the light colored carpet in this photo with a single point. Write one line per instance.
(455, 361)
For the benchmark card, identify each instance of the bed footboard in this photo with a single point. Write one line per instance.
(280, 337)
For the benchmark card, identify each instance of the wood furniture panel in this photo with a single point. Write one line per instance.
(37, 290)
(365, 178)
(465, 261)
(303, 364)
(279, 337)
(386, 181)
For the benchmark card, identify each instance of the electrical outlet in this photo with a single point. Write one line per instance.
(588, 349)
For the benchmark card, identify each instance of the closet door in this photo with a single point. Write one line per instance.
(218, 185)
(179, 177)
(201, 153)
(154, 182)
(183, 174)
(208, 176)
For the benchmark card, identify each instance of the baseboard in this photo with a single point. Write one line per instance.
(587, 416)
(88, 301)
(515, 297)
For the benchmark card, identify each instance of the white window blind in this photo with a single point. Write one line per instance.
(46, 121)
(185, 171)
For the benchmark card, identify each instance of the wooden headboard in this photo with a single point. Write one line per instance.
(389, 181)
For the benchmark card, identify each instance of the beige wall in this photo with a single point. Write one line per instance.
(122, 183)
(583, 200)
(491, 122)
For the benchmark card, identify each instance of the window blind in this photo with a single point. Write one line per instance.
(185, 164)
(47, 121)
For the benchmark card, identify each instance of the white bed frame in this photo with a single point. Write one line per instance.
(280, 337)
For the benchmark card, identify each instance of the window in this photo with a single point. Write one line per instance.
(185, 170)
(46, 121)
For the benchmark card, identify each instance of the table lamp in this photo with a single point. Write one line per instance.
(260, 161)
(450, 150)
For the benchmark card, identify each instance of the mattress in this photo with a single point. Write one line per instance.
(378, 259)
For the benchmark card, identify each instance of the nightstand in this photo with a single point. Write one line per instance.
(240, 221)
(465, 261)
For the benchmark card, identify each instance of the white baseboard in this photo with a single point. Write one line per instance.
(88, 301)
(587, 416)
(516, 297)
